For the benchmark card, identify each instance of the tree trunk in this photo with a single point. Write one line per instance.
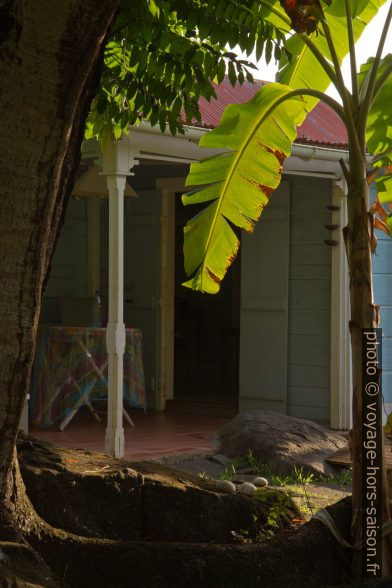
(363, 316)
(50, 56)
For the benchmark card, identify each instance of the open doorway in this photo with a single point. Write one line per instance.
(206, 332)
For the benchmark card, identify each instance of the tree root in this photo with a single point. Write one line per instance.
(48, 556)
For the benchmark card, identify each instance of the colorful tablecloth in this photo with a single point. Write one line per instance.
(71, 362)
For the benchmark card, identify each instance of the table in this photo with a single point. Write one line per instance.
(70, 370)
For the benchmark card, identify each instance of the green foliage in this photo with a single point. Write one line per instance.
(297, 476)
(258, 136)
(343, 479)
(379, 126)
(279, 504)
(162, 56)
(230, 471)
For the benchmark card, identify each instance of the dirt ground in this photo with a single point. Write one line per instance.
(309, 497)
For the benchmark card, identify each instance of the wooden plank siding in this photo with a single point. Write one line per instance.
(68, 271)
(309, 328)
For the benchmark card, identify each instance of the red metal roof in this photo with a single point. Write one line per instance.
(322, 126)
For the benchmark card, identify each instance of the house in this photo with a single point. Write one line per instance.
(276, 336)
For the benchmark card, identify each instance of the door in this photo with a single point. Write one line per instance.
(141, 276)
(264, 308)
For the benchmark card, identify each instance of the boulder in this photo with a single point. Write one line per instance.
(281, 441)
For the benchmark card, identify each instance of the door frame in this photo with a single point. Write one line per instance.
(340, 341)
(165, 348)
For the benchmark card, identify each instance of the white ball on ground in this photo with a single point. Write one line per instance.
(246, 488)
(260, 482)
(226, 486)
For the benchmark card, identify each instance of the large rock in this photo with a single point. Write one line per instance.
(281, 441)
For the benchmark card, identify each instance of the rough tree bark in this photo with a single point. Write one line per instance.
(50, 55)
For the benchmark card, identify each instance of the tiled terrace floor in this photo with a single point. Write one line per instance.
(155, 435)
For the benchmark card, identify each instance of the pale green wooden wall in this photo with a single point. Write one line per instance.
(308, 391)
(68, 271)
(309, 325)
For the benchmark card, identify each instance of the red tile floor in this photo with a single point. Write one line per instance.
(156, 434)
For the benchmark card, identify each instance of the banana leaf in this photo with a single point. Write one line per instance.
(257, 137)
(240, 181)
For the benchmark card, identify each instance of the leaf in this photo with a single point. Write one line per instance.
(268, 50)
(384, 187)
(379, 130)
(388, 425)
(117, 130)
(379, 123)
(239, 181)
(221, 71)
(304, 70)
(231, 73)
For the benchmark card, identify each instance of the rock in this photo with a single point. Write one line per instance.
(226, 486)
(221, 459)
(281, 441)
(246, 471)
(246, 488)
(260, 482)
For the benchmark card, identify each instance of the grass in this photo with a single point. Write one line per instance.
(343, 479)
(295, 486)
(230, 471)
(297, 476)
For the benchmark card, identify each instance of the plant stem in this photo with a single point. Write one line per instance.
(321, 59)
(344, 93)
(353, 59)
(340, 85)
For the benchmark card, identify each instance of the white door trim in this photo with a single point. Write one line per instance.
(168, 187)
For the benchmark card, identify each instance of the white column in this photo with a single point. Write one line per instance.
(341, 383)
(115, 331)
(116, 164)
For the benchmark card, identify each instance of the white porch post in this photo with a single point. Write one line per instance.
(341, 384)
(116, 164)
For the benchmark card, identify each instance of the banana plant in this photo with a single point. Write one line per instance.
(256, 138)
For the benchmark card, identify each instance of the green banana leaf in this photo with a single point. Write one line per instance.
(379, 131)
(240, 181)
(258, 138)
